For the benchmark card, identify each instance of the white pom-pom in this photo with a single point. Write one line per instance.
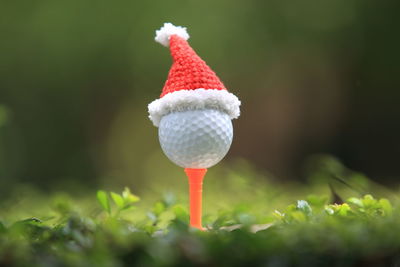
(163, 34)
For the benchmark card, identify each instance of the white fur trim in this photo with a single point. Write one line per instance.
(163, 34)
(194, 99)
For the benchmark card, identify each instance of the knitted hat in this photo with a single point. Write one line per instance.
(191, 84)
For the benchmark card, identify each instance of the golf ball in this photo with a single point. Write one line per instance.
(196, 138)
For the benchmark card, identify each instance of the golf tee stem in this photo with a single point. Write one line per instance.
(195, 195)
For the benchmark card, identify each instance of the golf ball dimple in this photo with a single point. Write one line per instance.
(196, 138)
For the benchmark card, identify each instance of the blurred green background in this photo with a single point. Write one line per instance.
(313, 77)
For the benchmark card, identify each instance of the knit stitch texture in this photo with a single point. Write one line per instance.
(188, 71)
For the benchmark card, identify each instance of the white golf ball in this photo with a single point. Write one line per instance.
(196, 138)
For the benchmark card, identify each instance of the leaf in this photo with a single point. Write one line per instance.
(223, 219)
(298, 216)
(343, 209)
(386, 206)
(180, 212)
(338, 209)
(151, 216)
(128, 207)
(103, 200)
(355, 201)
(369, 201)
(277, 214)
(129, 197)
(329, 210)
(158, 208)
(118, 200)
(31, 227)
(32, 220)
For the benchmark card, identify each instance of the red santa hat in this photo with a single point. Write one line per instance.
(191, 83)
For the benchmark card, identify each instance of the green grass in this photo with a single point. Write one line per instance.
(250, 222)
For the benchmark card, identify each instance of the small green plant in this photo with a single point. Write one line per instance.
(123, 201)
(265, 225)
(353, 208)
